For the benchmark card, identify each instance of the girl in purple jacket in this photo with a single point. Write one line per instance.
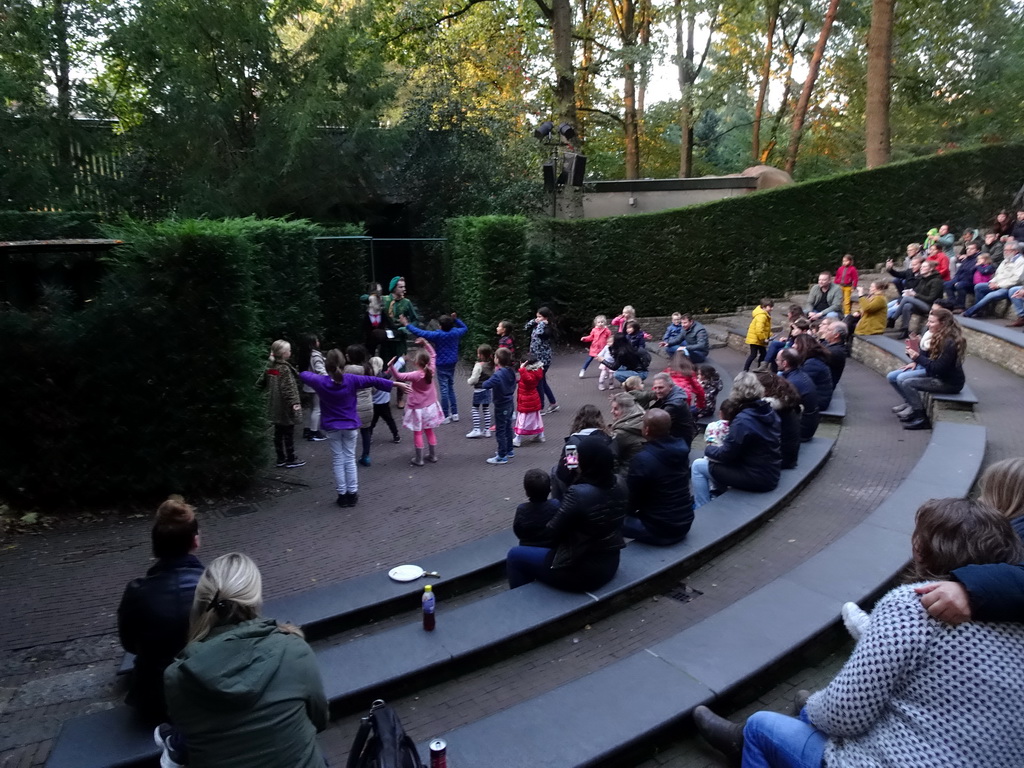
(340, 420)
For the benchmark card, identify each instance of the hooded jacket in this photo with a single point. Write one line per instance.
(528, 400)
(750, 457)
(248, 694)
(627, 438)
(760, 329)
(659, 487)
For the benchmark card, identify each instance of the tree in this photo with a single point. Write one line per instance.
(800, 114)
(766, 71)
(876, 114)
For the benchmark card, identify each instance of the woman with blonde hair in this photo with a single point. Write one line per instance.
(1002, 488)
(246, 690)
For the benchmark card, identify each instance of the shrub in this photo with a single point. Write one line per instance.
(491, 274)
(45, 225)
(342, 270)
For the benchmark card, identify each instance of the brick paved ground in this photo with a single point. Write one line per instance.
(59, 592)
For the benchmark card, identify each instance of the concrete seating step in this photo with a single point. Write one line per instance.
(604, 715)
(996, 343)
(404, 657)
(883, 354)
(836, 410)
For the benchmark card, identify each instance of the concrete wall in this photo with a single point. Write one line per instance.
(618, 198)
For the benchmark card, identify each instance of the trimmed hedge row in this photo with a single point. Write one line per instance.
(717, 256)
(490, 274)
(148, 390)
(45, 225)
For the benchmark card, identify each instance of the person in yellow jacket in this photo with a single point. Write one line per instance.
(759, 332)
(871, 309)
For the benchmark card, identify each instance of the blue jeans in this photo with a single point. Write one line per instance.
(503, 428)
(343, 448)
(695, 355)
(524, 564)
(622, 374)
(589, 360)
(545, 389)
(771, 740)
(446, 385)
(897, 377)
(701, 482)
(912, 388)
(1018, 304)
(774, 347)
(957, 292)
(984, 296)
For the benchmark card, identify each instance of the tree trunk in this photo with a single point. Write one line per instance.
(565, 76)
(687, 76)
(766, 71)
(800, 114)
(625, 13)
(644, 37)
(62, 83)
(773, 137)
(876, 109)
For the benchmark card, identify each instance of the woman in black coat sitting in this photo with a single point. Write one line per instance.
(943, 366)
(785, 401)
(627, 360)
(750, 456)
(816, 365)
(585, 530)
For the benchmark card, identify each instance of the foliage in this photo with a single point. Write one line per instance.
(490, 274)
(342, 270)
(39, 225)
(148, 389)
(713, 257)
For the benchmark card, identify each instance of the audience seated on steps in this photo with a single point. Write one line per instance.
(1007, 278)
(782, 396)
(660, 507)
(942, 366)
(627, 430)
(814, 361)
(962, 281)
(834, 338)
(870, 317)
(246, 690)
(585, 531)
(796, 323)
(750, 457)
(914, 693)
(152, 619)
(825, 299)
(670, 397)
(907, 277)
(789, 361)
(918, 300)
(587, 424)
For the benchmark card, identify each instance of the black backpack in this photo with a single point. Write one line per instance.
(381, 742)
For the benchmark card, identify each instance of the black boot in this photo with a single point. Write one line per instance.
(721, 734)
(911, 416)
(921, 422)
(343, 500)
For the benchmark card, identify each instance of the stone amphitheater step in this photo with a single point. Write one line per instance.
(632, 701)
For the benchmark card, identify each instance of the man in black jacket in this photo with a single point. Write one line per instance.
(153, 617)
(660, 504)
(672, 398)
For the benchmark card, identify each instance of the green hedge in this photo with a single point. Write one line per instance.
(490, 274)
(45, 225)
(342, 270)
(717, 256)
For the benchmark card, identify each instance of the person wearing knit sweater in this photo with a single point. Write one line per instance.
(916, 692)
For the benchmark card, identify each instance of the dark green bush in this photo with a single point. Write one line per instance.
(716, 256)
(490, 268)
(45, 225)
(342, 270)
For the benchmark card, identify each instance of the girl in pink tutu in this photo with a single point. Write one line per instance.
(422, 410)
(529, 422)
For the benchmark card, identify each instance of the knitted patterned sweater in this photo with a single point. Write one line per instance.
(920, 693)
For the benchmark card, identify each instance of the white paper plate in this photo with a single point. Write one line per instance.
(405, 572)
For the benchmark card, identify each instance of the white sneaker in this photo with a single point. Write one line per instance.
(539, 438)
(487, 433)
(517, 442)
(855, 620)
(455, 417)
(474, 433)
(447, 420)
(601, 387)
(582, 373)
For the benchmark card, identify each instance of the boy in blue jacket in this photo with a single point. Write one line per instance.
(446, 345)
(503, 387)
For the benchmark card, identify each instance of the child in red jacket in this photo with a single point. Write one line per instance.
(529, 421)
(846, 278)
(599, 336)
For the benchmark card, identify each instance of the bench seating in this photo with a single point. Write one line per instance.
(405, 656)
(995, 343)
(884, 354)
(629, 703)
(836, 410)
